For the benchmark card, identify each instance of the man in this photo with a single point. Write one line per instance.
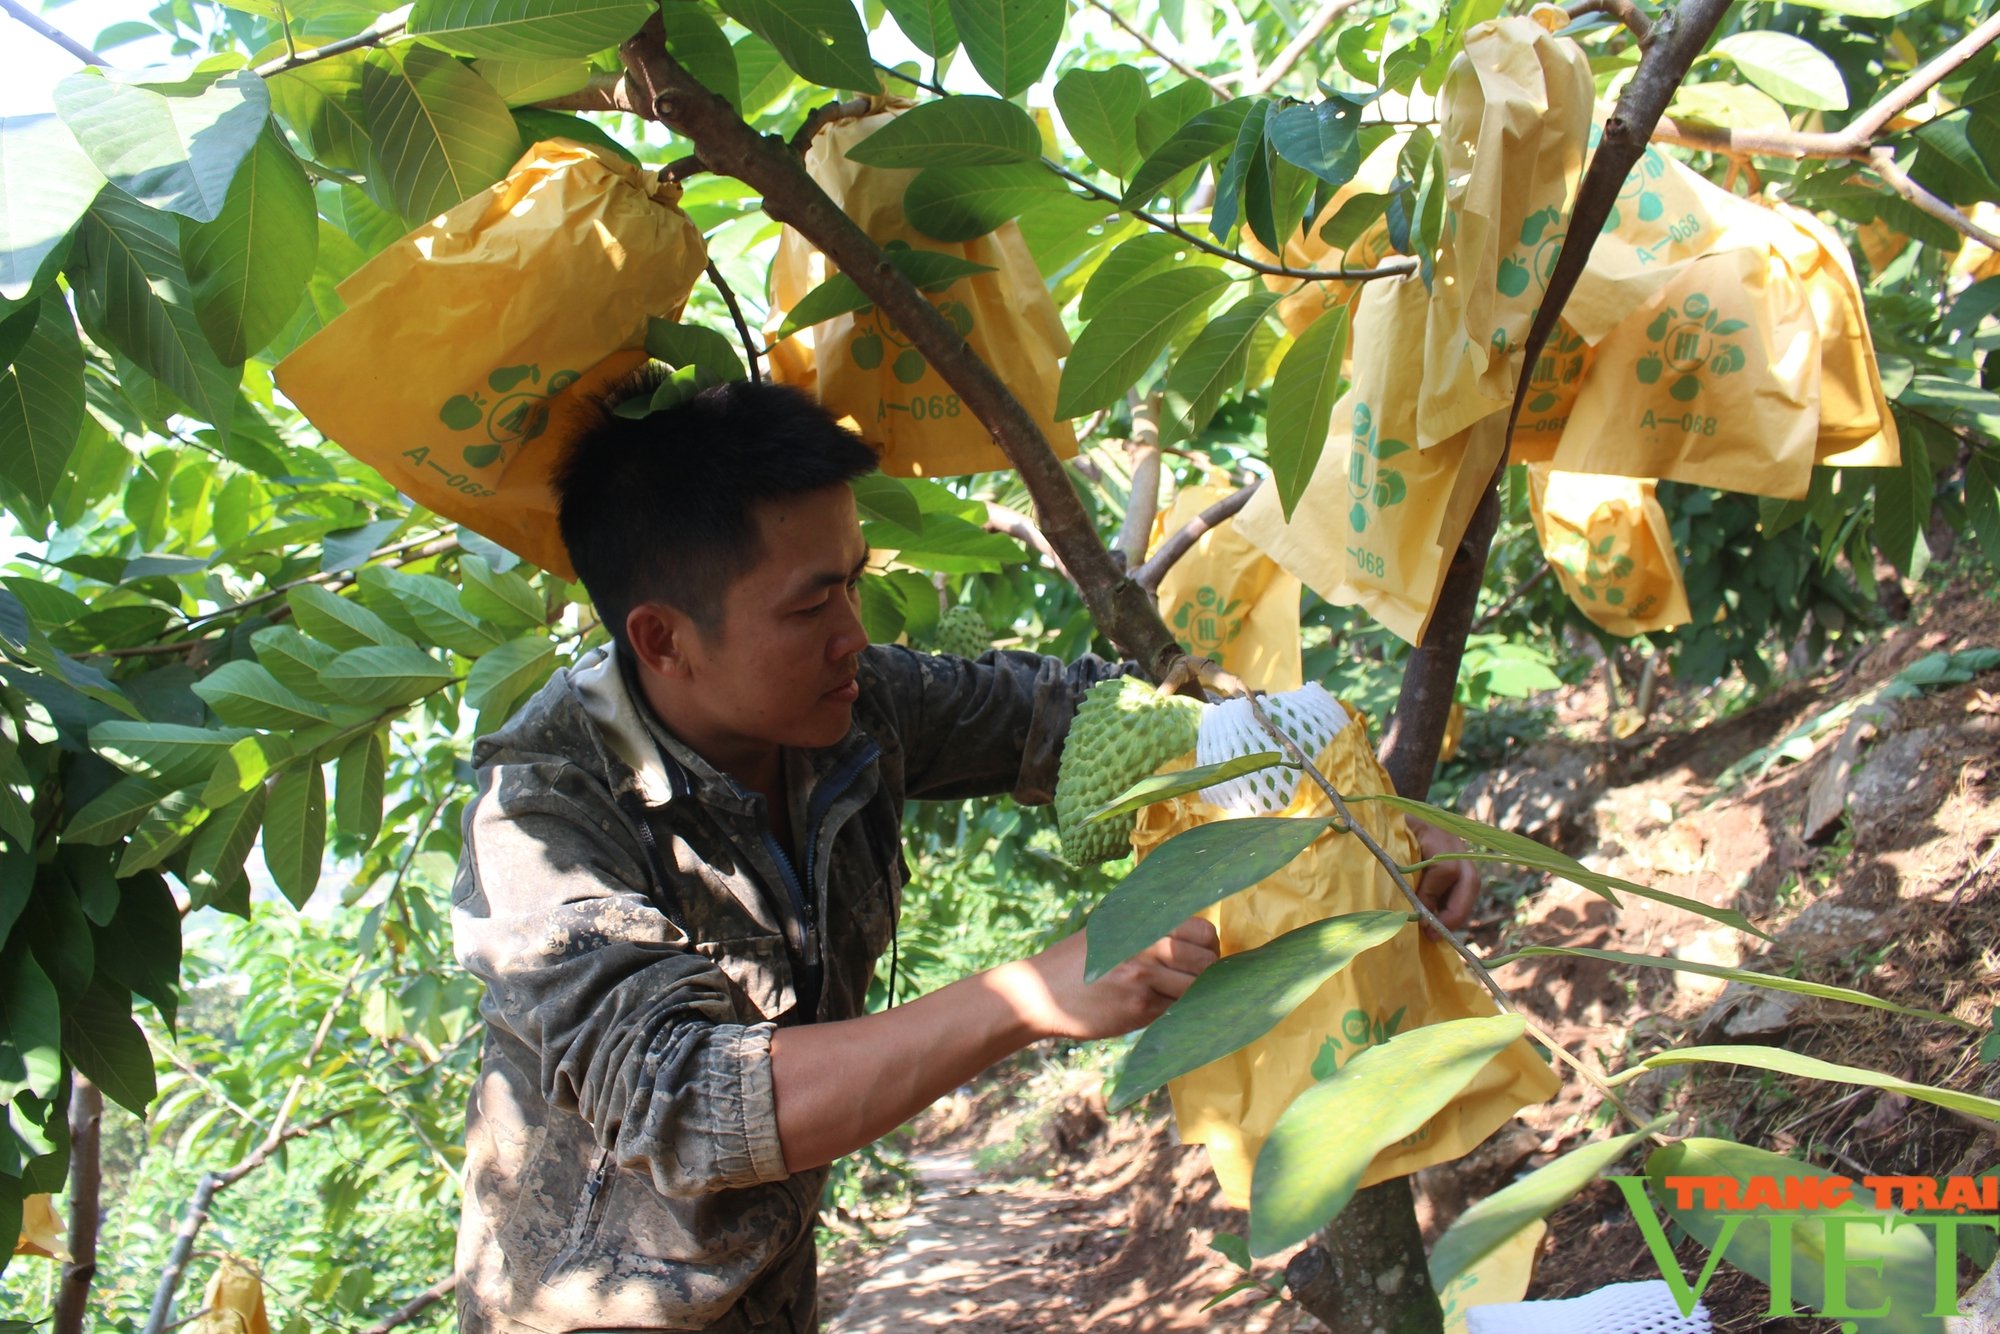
(681, 865)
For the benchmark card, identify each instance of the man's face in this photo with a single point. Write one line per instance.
(781, 670)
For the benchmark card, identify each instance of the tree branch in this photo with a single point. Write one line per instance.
(1882, 161)
(1526, 584)
(1219, 89)
(1120, 608)
(1142, 501)
(428, 1298)
(1001, 519)
(86, 1177)
(1148, 576)
(736, 315)
(1302, 42)
(368, 37)
(1624, 11)
(29, 18)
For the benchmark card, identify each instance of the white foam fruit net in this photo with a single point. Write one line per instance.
(1309, 716)
(1623, 1308)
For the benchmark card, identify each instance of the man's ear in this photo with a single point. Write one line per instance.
(661, 637)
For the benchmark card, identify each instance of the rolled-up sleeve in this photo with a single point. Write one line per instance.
(630, 1028)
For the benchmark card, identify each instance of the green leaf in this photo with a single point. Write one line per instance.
(927, 23)
(338, 257)
(1009, 41)
(1475, 1233)
(114, 812)
(434, 604)
(502, 677)
(1116, 347)
(141, 947)
(1213, 363)
(102, 1041)
(1206, 134)
(246, 694)
(1165, 112)
(522, 83)
(172, 754)
(132, 295)
(30, 1029)
(528, 29)
(1313, 1161)
(321, 102)
(1302, 397)
(963, 131)
(1250, 154)
(1903, 498)
(1768, 981)
(359, 776)
(1100, 109)
(41, 402)
(1501, 845)
(248, 268)
(1887, 1268)
(1862, 9)
(1232, 1248)
(166, 826)
(177, 152)
(1131, 262)
(245, 766)
(710, 353)
(929, 270)
(341, 622)
(295, 828)
(1788, 68)
(963, 203)
(1185, 874)
(46, 183)
(1784, 1062)
(297, 661)
(1165, 787)
(1353, 219)
(437, 132)
(386, 676)
(1244, 996)
(501, 596)
(221, 846)
(887, 500)
(695, 40)
(1322, 137)
(1982, 503)
(822, 39)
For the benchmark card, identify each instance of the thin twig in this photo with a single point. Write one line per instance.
(86, 1176)
(1303, 41)
(1882, 162)
(428, 1298)
(1522, 591)
(736, 314)
(414, 550)
(1142, 502)
(31, 19)
(1002, 519)
(1624, 11)
(1219, 89)
(824, 116)
(368, 37)
(1590, 1076)
(1394, 268)
(1149, 575)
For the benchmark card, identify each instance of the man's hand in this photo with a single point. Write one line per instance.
(1449, 889)
(1055, 1001)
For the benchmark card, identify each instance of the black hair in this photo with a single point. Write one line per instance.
(662, 508)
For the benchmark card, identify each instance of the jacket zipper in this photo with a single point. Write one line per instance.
(822, 801)
(585, 1226)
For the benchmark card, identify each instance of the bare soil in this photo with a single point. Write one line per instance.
(1034, 1212)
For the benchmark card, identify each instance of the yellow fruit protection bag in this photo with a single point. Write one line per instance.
(1227, 601)
(860, 366)
(464, 360)
(1406, 983)
(1609, 542)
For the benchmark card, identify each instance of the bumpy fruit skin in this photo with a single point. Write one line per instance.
(963, 633)
(1124, 731)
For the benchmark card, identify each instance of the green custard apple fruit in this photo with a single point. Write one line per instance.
(1124, 731)
(963, 633)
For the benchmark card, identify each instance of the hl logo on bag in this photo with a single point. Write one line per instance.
(1602, 574)
(1373, 487)
(1360, 1031)
(1536, 258)
(1209, 624)
(1688, 339)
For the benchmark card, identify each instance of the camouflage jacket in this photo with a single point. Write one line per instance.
(641, 934)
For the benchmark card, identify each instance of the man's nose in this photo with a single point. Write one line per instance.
(850, 636)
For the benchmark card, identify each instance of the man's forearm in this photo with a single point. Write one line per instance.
(842, 1085)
